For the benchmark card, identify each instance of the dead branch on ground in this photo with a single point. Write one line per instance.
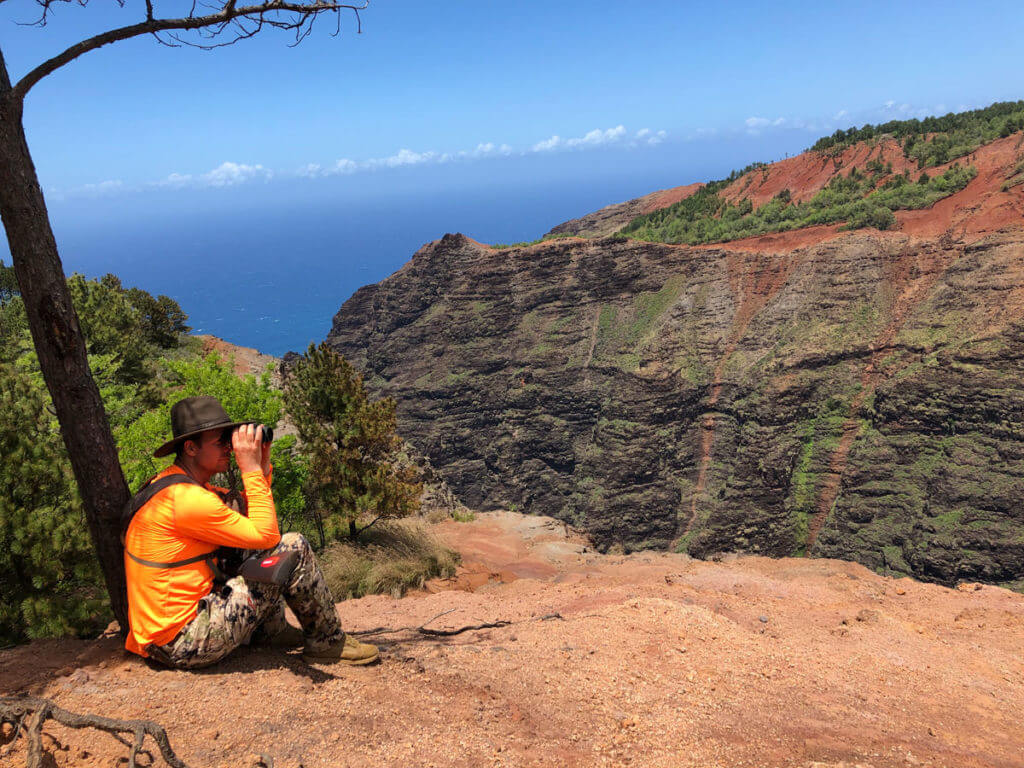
(460, 630)
(422, 628)
(29, 714)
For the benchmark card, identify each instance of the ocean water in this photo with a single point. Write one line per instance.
(273, 279)
(268, 266)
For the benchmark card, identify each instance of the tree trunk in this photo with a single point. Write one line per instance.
(61, 347)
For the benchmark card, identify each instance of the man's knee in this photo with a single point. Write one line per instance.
(293, 540)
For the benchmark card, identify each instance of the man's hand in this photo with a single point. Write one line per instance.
(247, 441)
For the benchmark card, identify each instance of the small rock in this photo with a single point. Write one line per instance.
(967, 586)
(868, 616)
(763, 619)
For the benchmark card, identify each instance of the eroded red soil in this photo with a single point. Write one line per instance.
(647, 660)
(667, 197)
(979, 209)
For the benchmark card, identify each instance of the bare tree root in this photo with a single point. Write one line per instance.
(422, 628)
(29, 713)
(460, 630)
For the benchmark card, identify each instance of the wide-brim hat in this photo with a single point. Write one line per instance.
(193, 416)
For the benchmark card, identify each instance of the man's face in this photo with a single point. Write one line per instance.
(214, 451)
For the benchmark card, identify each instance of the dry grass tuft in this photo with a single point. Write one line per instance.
(390, 558)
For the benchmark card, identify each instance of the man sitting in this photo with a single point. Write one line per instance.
(177, 616)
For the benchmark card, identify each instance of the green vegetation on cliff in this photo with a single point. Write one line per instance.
(860, 199)
(936, 140)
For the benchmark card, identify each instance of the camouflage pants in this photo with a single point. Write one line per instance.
(228, 617)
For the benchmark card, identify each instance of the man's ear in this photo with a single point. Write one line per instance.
(190, 447)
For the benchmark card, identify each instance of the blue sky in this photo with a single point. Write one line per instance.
(477, 84)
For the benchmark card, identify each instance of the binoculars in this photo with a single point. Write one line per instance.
(267, 433)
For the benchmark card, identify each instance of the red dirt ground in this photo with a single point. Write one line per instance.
(668, 197)
(247, 360)
(807, 174)
(979, 209)
(652, 660)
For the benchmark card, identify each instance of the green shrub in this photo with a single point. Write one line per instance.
(50, 582)
(350, 445)
(707, 218)
(936, 140)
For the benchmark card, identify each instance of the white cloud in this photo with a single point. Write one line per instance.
(176, 180)
(548, 144)
(228, 174)
(408, 157)
(701, 133)
(486, 149)
(904, 111)
(346, 166)
(840, 114)
(402, 158)
(594, 138)
(103, 188)
(649, 137)
(756, 124)
(598, 137)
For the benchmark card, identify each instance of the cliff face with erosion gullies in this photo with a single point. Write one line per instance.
(850, 394)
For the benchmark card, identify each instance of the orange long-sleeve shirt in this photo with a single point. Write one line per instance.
(178, 523)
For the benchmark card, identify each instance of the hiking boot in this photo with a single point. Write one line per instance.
(289, 637)
(345, 651)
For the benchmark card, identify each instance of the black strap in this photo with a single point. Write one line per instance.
(175, 564)
(150, 489)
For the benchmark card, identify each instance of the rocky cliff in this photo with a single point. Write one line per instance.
(854, 395)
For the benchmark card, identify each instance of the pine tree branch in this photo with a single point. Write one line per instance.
(239, 22)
